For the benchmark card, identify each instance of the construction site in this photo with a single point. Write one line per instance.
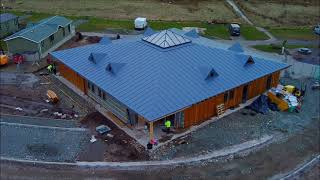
(154, 103)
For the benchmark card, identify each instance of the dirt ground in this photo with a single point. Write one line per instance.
(126, 9)
(33, 103)
(277, 158)
(33, 100)
(76, 42)
(288, 13)
(120, 147)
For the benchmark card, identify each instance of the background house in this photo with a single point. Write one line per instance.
(9, 24)
(42, 37)
(166, 75)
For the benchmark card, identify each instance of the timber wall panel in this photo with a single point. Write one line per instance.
(275, 79)
(73, 77)
(204, 110)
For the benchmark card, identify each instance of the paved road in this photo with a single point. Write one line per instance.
(41, 143)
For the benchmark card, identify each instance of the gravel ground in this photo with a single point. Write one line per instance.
(39, 121)
(242, 126)
(41, 143)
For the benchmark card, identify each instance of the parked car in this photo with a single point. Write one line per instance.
(316, 29)
(305, 51)
(140, 23)
(234, 29)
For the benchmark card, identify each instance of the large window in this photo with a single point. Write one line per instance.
(268, 85)
(229, 95)
(69, 28)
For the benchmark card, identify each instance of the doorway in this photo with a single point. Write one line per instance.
(245, 93)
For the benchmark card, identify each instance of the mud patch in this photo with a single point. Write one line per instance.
(119, 147)
(42, 150)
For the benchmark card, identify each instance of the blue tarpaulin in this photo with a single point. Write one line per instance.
(260, 105)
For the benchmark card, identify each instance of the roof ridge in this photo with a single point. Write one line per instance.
(38, 24)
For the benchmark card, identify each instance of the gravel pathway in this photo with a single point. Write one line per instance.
(39, 121)
(47, 144)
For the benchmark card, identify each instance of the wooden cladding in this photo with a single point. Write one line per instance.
(204, 110)
(73, 77)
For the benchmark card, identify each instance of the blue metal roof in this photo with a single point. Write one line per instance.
(6, 17)
(236, 48)
(149, 31)
(155, 82)
(42, 29)
(192, 33)
(105, 40)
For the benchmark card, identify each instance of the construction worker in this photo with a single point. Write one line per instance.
(167, 124)
(50, 68)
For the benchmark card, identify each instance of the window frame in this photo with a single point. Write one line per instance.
(225, 97)
(269, 82)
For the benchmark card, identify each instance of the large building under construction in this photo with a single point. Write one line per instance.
(166, 75)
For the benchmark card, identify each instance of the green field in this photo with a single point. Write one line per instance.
(277, 47)
(302, 33)
(251, 33)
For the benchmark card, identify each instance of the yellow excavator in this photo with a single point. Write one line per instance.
(3, 60)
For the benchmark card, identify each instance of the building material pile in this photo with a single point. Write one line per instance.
(286, 97)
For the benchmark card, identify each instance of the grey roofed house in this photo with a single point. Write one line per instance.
(9, 24)
(41, 37)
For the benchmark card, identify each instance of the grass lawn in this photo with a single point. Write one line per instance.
(277, 48)
(251, 33)
(96, 24)
(302, 33)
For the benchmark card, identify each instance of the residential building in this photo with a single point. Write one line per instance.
(166, 75)
(42, 37)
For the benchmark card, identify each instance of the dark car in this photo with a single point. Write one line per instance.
(234, 29)
(305, 51)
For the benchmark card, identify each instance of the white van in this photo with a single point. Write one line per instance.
(140, 23)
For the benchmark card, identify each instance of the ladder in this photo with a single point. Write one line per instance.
(220, 109)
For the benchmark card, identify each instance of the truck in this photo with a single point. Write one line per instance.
(140, 23)
(234, 29)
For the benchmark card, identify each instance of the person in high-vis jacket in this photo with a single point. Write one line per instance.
(167, 124)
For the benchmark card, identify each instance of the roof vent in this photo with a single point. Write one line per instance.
(96, 57)
(250, 60)
(236, 48)
(166, 39)
(207, 72)
(105, 40)
(114, 68)
(192, 33)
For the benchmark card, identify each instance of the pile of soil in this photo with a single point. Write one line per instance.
(119, 147)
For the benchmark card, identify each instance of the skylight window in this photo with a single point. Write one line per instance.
(166, 39)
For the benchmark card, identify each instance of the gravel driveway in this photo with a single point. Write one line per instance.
(46, 144)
